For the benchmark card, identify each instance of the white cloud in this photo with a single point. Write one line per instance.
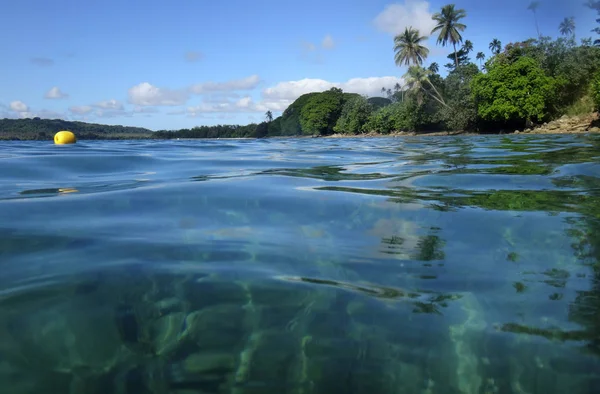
(145, 110)
(396, 17)
(19, 106)
(247, 83)
(328, 42)
(81, 109)
(146, 94)
(112, 113)
(55, 93)
(291, 90)
(111, 104)
(308, 46)
(45, 114)
(193, 56)
(280, 96)
(110, 109)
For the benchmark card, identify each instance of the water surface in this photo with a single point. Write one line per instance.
(385, 265)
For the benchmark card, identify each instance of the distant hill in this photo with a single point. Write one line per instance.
(315, 113)
(44, 129)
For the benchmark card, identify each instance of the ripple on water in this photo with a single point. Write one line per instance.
(383, 265)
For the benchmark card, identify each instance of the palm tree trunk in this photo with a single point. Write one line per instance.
(439, 98)
(455, 55)
(537, 28)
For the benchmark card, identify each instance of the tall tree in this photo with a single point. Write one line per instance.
(269, 116)
(595, 5)
(533, 6)
(449, 27)
(481, 57)
(567, 27)
(467, 46)
(434, 68)
(495, 46)
(409, 49)
(417, 81)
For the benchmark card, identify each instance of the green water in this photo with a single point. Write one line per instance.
(417, 265)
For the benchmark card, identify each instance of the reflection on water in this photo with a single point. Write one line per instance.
(417, 265)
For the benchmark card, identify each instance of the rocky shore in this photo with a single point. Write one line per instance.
(589, 123)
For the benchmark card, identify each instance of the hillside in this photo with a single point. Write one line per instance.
(44, 129)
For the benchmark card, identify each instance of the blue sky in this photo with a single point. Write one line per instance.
(182, 63)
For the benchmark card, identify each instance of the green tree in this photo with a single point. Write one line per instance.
(434, 68)
(467, 46)
(495, 46)
(290, 119)
(321, 112)
(269, 116)
(262, 130)
(567, 27)
(408, 47)
(516, 92)
(481, 57)
(449, 26)
(461, 112)
(596, 92)
(354, 116)
(418, 82)
(533, 6)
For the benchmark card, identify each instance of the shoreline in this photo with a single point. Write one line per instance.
(581, 124)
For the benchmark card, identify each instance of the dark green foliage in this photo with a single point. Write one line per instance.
(379, 102)
(321, 112)
(515, 92)
(385, 120)
(572, 66)
(461, 113)
(354, 116)
(596, 91)
(44, 129)
(275, 127)
(290, 120)
(217, 131)
(262, 130)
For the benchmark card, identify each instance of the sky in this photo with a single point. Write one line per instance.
(184, 63)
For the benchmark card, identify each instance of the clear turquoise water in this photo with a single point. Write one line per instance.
(417, 265)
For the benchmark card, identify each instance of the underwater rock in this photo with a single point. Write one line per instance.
(68, 337)
(166, 332)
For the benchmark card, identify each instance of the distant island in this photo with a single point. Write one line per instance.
(536, 84)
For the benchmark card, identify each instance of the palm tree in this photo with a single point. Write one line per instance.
(481, 57)
(567, 26)
(434, 68)
(449, 27)
(467, 47)
(408, 48)
(269, 116)
(417, 78)
(533, 7)
(495, 46)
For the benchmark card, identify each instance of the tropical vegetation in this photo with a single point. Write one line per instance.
(504, 87)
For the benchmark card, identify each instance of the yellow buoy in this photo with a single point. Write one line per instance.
(64, 137)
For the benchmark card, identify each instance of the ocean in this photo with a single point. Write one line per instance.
(359, 265)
